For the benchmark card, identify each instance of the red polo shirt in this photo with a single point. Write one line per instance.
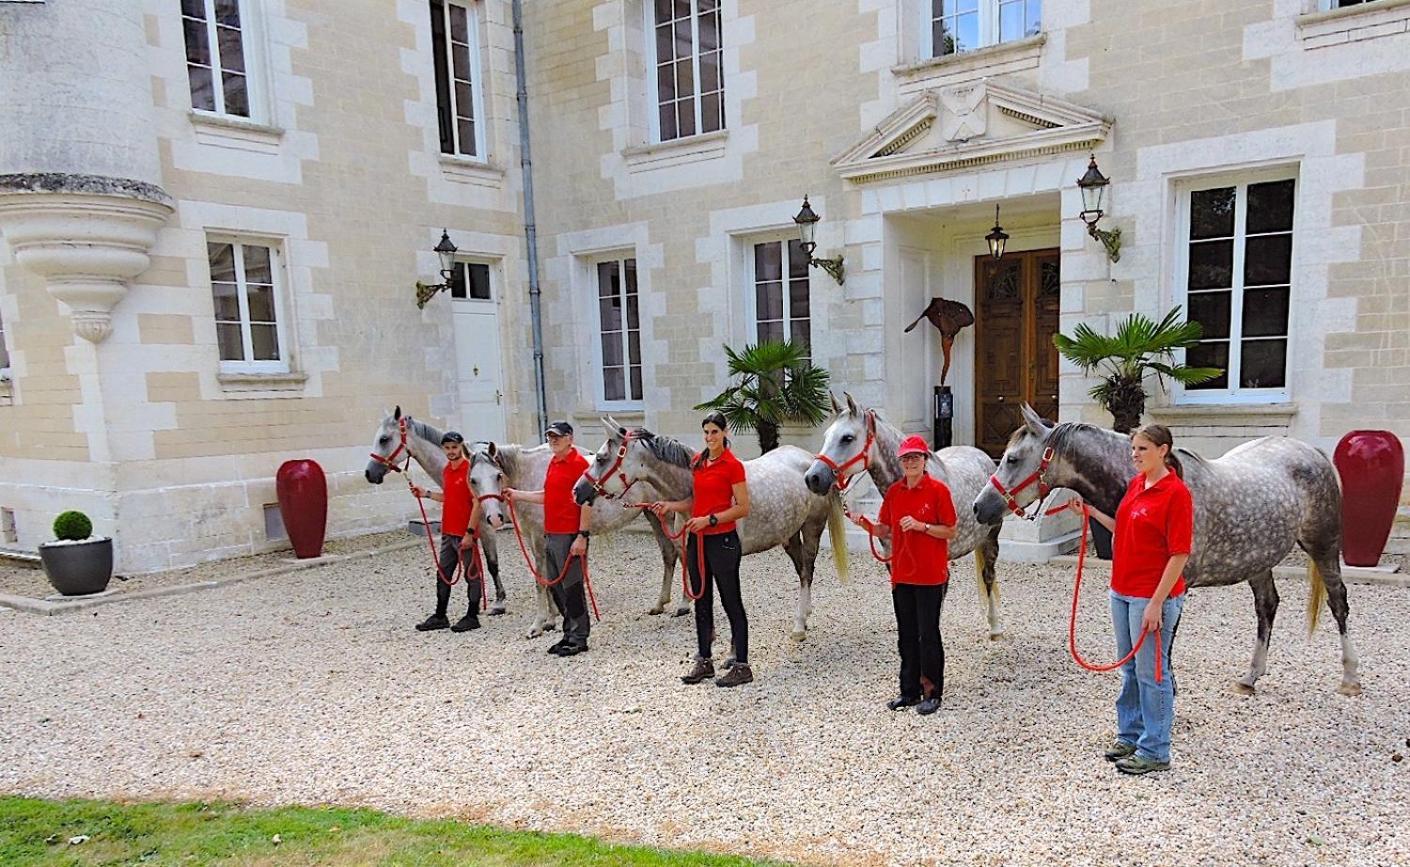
(918, 557)
(455, 511)
(714, 489)
(561, 513)
(1152, 525)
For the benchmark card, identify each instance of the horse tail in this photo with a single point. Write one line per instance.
(837, 535)
(1316, 597)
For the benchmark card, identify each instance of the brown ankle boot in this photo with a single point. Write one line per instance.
(737, 676)
(704, 670)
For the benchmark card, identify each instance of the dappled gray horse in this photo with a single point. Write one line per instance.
(1251, 506)
(399, 436)
(859, 440)
(781, 511)
(494, 467)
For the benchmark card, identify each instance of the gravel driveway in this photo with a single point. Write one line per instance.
(312, 687)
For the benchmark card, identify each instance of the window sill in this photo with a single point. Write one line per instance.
(985, 62)
(589, 418)
(468, 170)
(261, 383)
(235, 132)
(1227, 414)
(705, 146)
(1354, 23)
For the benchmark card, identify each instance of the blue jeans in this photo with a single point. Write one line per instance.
(1145, 709)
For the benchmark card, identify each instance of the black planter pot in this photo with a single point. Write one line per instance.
(77, 569)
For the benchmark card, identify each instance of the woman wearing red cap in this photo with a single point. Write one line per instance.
(918, 516)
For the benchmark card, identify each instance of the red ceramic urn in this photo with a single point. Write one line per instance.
(303, 504)
(1372, 468)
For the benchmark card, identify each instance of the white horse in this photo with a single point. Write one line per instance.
(781, 511)
(859, 440)
(400, 436)
(494, 467)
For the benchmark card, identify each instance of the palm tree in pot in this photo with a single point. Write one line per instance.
(776, 384)
(1139, 348)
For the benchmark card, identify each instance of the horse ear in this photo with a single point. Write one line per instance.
(1035, 422)
(396, 414)
(851, 404)
(608, 425)
(871, 421)
(836, 407)
(491, 449)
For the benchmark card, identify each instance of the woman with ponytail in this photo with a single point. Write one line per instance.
(1153, 529)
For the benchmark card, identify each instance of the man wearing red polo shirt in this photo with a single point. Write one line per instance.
(565, 528)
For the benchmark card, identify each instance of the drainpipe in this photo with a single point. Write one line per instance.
(531, 235)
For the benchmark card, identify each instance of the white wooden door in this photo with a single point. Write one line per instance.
(477, 354)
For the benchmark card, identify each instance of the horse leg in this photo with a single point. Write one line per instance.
(1327, 566)
(545, 620)
(670, 555)
(988, 555)
(796, 549)
(1265, 605)
(492, 564)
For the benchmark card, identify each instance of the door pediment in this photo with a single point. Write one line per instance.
(968, 125)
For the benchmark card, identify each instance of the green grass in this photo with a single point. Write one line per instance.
(34, 831)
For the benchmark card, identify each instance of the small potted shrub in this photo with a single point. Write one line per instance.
(76, 563)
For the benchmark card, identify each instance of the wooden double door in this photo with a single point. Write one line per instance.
(1016, 315)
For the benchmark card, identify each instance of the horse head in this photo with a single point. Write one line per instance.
(616, 465)
(487, 482)
(389, 446)
(846, 448)
(1021, 476)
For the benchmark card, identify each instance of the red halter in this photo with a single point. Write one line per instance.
(1036, 477)
(597, 483)
(390, 461)
(838, 479)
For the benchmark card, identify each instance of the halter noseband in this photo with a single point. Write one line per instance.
(838, 479)
(1035, 477)
(597, 483)
(390, 461)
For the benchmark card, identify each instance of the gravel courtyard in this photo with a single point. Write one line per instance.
(312, 687)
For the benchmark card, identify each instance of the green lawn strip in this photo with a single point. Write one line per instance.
(34, 831)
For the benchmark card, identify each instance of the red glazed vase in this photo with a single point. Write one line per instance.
(303, 504)
(1372, 468)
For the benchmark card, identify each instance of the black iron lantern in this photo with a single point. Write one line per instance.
(1093, 185)
(997, 237)
(445, 251)
(807, 220)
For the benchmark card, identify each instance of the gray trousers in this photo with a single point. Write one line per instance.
(450, 558)
(568, 595)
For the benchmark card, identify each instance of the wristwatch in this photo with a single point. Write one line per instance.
(714, 521)
(584, 533)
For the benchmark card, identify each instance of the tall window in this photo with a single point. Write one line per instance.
(956, 26)
(781, 293)
(1238, 271)
(245, 283)
(215, 56)
(4, 354)
(689, 80)
(619, 325)
(455, 42)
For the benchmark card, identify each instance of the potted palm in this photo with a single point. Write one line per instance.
(76, 563)
(1139, 348)
(776, 384)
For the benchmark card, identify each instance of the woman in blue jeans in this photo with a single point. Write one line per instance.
(1153, 529)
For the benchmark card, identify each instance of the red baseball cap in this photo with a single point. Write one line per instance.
(912, 445)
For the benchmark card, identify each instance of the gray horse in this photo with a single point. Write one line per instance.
(859, 439)
(399, 435)
(781, 512)
(1251, 506)
(494, 467)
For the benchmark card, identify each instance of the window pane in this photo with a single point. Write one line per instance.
(457, 281)
(1263, 364)
(202, 91)
(798, 298)
(769, 300)
(1268, 260)
(636, 382)
(237, 101)
(629, 269)
(663, 10)
(685, 117)
(665, 44)
(459, 28)
(232, 347)
(766, 262)
(1270, 207)
(1011, 21)
(1266, 312)
(665, 83)
(609, 312)
(607, 280)
(611, 348)
(668, 121)
(1211, 265)
(941, 40)
(257, 265)
(797, 260)
(685, 78)
(633, 314)
(1035, 18)
(613, 387)
(464, 101)
(444, 116)
(634, 347)
(261, 303)
(1212, 213)
(232, 55)
(709, 26)
(227, 302)
(967, 32)
(479, 281)
(709, 71)
(194, 8)
(770, 331)
(466, 130)
(682, 8)
(798, 333)
(227, 12)
(222, 259)
(197, 46)
(265, 340)
(711, 113)
(685, 44)
(460, 56)
(1211, 311)
(1209, 355)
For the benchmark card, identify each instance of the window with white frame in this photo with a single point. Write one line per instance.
(455, 42)
(957, 26)
(246, 285)
(215, 56)
(687, 62)
(1236, 258)
(4, 353)
(470, 281)
(780, 284)
(619, 330)
(1343, 4)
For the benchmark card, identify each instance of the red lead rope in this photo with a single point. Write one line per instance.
(465, 570)
(679, 539)
(529, 562)
(1072, 621)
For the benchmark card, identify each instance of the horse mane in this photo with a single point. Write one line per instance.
(425, 431)
(663, 448)
(506, 457)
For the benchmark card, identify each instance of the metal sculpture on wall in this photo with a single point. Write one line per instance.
(949, 318)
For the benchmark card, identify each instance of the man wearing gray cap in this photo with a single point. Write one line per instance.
(565, 535)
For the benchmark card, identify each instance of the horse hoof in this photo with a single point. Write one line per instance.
(682, 611)
(1349, 689)
(1242, 688)
(658, 609)
(497, 610)
(533, 633)
(995, 636)
(798, 635)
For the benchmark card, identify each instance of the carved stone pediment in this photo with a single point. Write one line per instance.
(968, 125)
